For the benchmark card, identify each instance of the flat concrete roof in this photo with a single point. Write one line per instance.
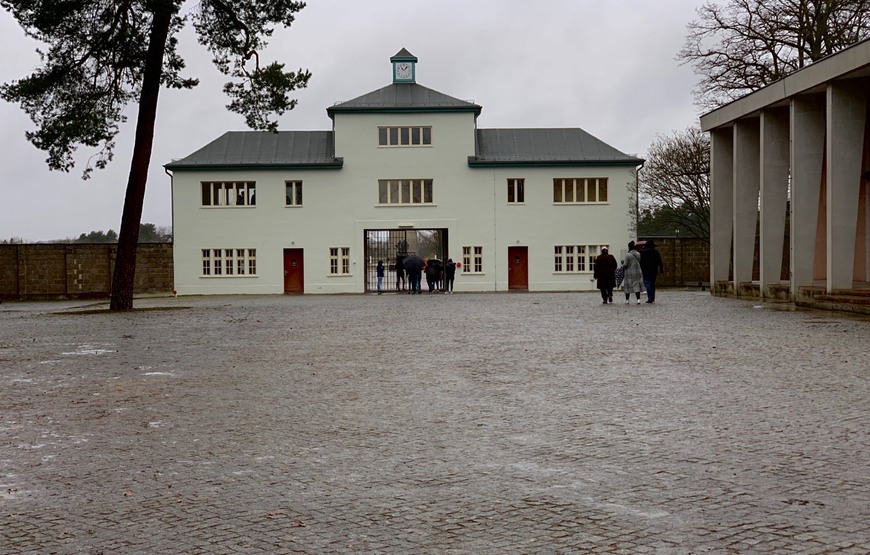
(850, 63)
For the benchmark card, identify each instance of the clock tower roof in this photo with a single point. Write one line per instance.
(404, 98)
(404, 95)
(404, 56)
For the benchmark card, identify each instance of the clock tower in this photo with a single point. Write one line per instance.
(404, 67)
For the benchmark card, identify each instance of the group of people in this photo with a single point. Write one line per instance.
(639, 272)
(438, 276)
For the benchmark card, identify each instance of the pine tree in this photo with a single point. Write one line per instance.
(101, 55)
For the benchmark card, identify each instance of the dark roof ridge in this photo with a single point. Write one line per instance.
(404, 97)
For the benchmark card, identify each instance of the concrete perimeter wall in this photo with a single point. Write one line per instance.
(51, 271)
(56, 271)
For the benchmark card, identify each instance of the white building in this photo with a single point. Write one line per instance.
(405, 169)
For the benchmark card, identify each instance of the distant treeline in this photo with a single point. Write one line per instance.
(148, 233)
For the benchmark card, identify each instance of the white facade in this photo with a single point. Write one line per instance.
(341, 202)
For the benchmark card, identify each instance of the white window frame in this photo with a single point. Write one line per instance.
(228, 262)
(339, 261)
(391, 136)
(472, 259)
(406, 192)
(228, 194)
(293, 192)
(580, 190)
(575, 259)
(516, 189)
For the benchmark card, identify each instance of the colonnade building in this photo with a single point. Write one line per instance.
(790, 165)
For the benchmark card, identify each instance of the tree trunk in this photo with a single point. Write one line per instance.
(123, 278)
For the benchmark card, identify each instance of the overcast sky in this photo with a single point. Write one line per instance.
(605, 66)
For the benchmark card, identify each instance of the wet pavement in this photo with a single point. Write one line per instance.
(467, 423)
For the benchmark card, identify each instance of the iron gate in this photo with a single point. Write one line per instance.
(391, 245)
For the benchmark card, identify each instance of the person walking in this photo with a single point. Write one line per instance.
(633, 281)
(605, 274)
(380, 274)
(651, 266)
(449, 276)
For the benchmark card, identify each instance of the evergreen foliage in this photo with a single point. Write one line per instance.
(101, 55)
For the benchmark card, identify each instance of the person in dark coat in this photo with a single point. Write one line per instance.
(431, 276)
(380, 273)
(651, 265)
(400, 274)
(605, 273)
(449, 276)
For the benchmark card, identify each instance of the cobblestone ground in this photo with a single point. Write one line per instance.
(471, 423)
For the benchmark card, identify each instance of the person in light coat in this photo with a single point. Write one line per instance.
(633, 280)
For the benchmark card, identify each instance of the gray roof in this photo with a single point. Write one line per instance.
(404, 98)
(403, 55)
(316, 149)
(284, 149)
(545, 147)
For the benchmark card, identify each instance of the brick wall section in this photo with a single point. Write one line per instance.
(46, 271)
(686, 261)
(157, 274)
(9, 271)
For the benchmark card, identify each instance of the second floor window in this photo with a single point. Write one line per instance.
(294, 193)
(405, 191)
(228, 193)
(579, 190)
(404, 136)
(516, 193)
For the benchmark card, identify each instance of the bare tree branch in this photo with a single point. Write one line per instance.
(675, 181)
(738, 46)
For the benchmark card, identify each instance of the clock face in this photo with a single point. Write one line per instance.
(403, 70)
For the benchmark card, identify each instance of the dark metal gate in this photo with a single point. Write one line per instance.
(392, 245)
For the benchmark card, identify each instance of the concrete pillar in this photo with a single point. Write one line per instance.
(807, 156)
(747, 178)
(721, 202)
(846, 116)
(774, 194)
(864, 209)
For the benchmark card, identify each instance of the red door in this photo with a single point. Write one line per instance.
(518, 268)
(293, 271)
